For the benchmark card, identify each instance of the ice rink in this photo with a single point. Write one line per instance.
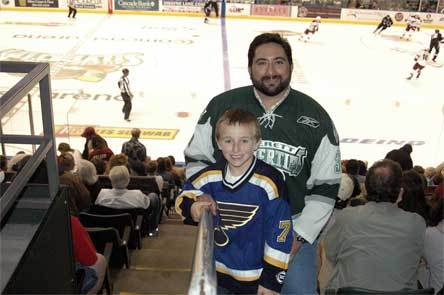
(177, 64)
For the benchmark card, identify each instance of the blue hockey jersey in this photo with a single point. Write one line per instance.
(253, 231)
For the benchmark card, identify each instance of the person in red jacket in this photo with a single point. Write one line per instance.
(87, 258)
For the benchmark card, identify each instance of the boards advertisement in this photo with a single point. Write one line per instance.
(37, 3)
(151, 5)
(270, 10)
(397, 16)
(237, 9)
(182, 6)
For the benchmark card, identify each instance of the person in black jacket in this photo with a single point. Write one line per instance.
(385, 23)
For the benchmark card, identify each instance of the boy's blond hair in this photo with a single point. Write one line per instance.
(238, 117)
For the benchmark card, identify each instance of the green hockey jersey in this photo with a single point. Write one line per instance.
(298, 138)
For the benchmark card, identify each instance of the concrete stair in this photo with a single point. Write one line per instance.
(163, 265)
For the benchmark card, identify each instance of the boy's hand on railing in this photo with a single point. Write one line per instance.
(264, 291)
(203, 201)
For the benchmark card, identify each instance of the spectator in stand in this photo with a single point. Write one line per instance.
(136, 167)
(14, 160)
(66, 148)
(169, 167)
(79, 198)
(100, 149)
(162, 171)
(433, 248)
(420, 170)
(85, 254)
(346, 189)
(413, 198)
(133, 148)
(119, 196)
(429, 172)
(385, 239)
(88, 176)
(178, 172)
(89, 133)
(352, 167)
(116, 160)
(3, 167)
(100, 166)
(402, 156)
(151, 170)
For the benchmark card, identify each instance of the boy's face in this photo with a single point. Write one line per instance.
(237, 143)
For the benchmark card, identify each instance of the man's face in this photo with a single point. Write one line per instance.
(270, 71)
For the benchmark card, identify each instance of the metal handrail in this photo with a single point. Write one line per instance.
(37, 73)
(203, 275)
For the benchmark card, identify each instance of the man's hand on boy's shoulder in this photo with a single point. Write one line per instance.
(203, 201)
(264, 291)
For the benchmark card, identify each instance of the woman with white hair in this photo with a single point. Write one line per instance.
(88, 176)
(119, 197)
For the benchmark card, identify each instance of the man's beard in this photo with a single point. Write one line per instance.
(270, 91)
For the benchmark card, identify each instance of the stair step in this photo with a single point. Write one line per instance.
(161, 258)
(156, 281)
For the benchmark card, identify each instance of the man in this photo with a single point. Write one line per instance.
(298, 138)
(435, 40)
(72, 8)
(378, 245)
(385, 23)
(134, 149)
(413, 24)
(210, 4)
(126, 94)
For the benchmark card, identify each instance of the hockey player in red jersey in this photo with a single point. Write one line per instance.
(313, 28)
(421, 59)
(413, 25)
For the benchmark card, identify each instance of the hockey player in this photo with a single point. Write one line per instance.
(413, 24)
(313, 28)
(253, 229)
(210, 4)
(385, 23)
(435, 40)
(421, 59)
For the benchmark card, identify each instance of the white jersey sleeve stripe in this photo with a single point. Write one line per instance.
(240, 275)
(276, 257)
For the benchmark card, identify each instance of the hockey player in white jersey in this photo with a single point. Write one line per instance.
(313, 28)
(413, 25)
(421, 60)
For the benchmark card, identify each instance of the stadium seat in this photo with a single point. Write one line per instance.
(114, 224)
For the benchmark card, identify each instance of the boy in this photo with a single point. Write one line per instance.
(253, 235)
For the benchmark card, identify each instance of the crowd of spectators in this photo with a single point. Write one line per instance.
(80, 172)
(388, 217)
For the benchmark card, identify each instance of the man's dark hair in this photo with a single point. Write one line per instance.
(352, 167)
(383, 181)
(269, 38)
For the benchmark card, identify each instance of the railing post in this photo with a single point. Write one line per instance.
(31, 119)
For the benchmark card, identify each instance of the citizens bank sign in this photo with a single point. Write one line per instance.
(152, 5)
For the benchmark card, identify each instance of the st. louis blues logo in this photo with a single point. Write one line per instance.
(231, 216)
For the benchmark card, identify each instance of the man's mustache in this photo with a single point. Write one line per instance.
(275, 77)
